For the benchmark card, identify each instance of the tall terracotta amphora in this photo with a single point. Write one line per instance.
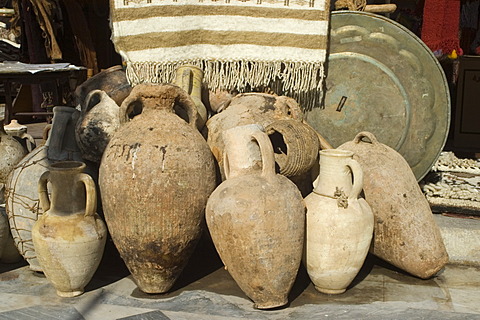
(256, 219)
(155, 178)
(406, 234)
(339, 223)
(21, 192)
(69, 238)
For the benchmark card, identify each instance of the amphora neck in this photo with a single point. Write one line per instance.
(335, 174)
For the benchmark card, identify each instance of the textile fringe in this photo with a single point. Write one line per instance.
(302, 81)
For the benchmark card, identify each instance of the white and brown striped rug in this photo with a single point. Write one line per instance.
(240, 44)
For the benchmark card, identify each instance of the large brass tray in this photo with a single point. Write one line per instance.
(383, 79)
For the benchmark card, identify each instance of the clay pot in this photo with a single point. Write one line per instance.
(256, 219)
(339, 223)
(248, 108)
(406, 234)
(189, 78)
(22, 203)
(112, 80)
(155, 178)
(69, 237)
(295, 146)
(97, 124)
(21, 194)
(19, 131)
(11, 152)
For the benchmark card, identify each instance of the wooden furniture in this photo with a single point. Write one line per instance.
(60, 74)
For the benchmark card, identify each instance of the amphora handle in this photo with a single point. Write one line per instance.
(93, 98)
(365, 134)
(169, 93)
(357, 173)
(266, 150)
(90, 191)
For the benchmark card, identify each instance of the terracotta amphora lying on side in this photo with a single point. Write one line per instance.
(406, 234)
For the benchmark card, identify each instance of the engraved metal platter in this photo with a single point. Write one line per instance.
(383, 79)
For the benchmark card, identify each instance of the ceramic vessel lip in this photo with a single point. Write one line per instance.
(67, 165)
(336, 153)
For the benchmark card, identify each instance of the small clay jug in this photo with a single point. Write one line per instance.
(406, 234)
(21, 191)
(155, 178)
(189, 78)
(248, 108)
(97, 124)
(112, 80)
(69, 237)
(256, 219)
(339, 224)
(11, 152)
(19, 131)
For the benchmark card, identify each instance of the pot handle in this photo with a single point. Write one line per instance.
(357, 173)
(180, 98)
(91, 194)
(43, 191)
(29, 140)
(92, 98)
(294, 111)
(365, 134)
(268, 157)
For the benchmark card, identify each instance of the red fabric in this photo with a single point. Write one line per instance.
(441, 24)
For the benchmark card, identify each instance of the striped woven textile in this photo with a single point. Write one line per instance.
(239, 44)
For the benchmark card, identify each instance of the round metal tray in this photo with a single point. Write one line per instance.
(383, 79)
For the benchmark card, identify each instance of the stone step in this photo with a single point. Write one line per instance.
(462, 239)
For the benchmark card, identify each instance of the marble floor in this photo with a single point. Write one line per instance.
(205, 290)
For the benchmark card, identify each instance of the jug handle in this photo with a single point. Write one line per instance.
(31, 145)
(91, 194)
(268, 157)
(365, 134)
(43, 191)
(89, 98)
(294, 110)
(181, 97)
(357, 174)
